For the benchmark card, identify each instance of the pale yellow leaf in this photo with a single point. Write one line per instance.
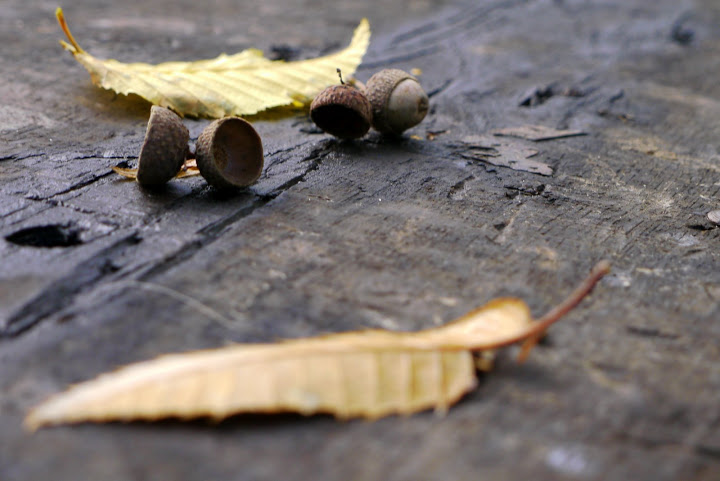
(189, 169)
(343, 381)
(242, 84)
(126, 172)
(366, 374)
(357, 374)
(498, 323)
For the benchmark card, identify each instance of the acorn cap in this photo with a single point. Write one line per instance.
(229, 153)
(398, 101)
(342, 111)
(163, 151)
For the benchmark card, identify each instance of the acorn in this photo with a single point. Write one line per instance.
(398, 101)
(164, 149)
(342, 110)
(229, 153)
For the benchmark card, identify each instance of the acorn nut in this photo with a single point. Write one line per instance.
(229, 153)
(164, 148)
(398, 101)
(342, 111)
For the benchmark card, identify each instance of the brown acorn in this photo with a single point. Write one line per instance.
(342, 111)
(229, 153)
(164, 148)
(398, 101)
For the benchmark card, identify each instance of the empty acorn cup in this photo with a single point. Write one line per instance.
(229, 153)
(164, 148)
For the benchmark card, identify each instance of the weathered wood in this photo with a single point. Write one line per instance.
(401, 234)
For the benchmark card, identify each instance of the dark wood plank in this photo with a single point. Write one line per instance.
(400, 234)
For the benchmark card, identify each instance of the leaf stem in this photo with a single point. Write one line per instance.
(63, 24)
(542, 324)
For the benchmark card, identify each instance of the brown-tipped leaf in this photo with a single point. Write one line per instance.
(365, 374)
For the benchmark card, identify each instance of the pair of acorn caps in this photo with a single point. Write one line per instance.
(228, 153)
(392, 101)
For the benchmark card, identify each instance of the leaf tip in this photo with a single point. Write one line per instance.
(33, 422)
(73, 47)
(363, 29)
(602, 268)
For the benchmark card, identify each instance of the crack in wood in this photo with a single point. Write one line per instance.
(207, 235)
(60, 293)
(708, 451)
(73, 187)
(22, 156)
(651, 332)
(212, 232)
(315, 158)
(456, 191)
(423, 52)
(435, 32)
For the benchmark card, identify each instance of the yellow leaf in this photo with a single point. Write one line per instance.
(340, 380)
(189, 169)
(356, 374)
(242, 84)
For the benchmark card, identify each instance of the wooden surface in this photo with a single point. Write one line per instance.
(398, 234)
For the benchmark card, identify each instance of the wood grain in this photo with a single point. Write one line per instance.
(380, 233)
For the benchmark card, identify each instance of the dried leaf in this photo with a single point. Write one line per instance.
(126, 172)
(365, 374)
(242, 84)
(537, 133)
(502, 153)
(189, 169)
(269, 378)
